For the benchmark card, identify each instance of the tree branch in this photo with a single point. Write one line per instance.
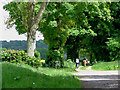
(41, 11)
(24, 22)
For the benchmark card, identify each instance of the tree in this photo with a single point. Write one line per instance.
(102, 19)
(89, 16)
(113, 43)
(26, 16)
(55, 31)
(106, 29)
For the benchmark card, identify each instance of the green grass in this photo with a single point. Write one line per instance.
(25, 76)
(84, 68)
(0, 76)
(105, 66)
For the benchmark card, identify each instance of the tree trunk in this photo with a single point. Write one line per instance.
(33, 22)
(59, 46)
(31, 42)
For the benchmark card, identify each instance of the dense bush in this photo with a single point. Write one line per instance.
(36, 54)
(3, 49)
(15, 56)
(114, 48)
(68, 63)
(55, 58)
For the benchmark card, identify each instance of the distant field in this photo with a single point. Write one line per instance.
(24, 76)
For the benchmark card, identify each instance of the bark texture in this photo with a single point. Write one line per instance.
(33, 22)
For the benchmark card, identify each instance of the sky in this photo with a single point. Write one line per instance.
(11, 34)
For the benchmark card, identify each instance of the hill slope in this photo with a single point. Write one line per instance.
(20, 45)
(24, 76)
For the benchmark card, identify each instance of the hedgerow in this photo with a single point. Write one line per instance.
(15, 56)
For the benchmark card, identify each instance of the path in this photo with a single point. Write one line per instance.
(98, 79)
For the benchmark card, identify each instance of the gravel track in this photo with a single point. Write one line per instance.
(98, 79)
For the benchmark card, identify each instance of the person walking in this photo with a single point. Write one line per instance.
(85, 60)
(77, 62)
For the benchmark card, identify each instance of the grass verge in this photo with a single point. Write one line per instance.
(105, 66)
(0, 76)
(25, 76)
(84, 68)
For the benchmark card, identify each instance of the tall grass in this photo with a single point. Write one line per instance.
(25, 76)
(105, 66)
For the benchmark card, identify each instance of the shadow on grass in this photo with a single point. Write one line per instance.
(16, 76)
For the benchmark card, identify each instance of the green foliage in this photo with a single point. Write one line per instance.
(21, 15)
(105, 66)
(3, 49)
(15, 56)
(84, 68)
(16, 14)
(114, 47)
(43, 52)
(26, 16)
(96, 15)
(113, 42)
(98, 32)
(55, 31)
(69, 64)
(22, 45)
(93, 26)
(73, 32)
(25, 76)
(37, 54)
(54, 58)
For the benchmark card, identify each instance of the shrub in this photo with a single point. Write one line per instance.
(3, 49)
(15, 56)
(69, 64)
(36, 54)
(113, 45)
(55, 58)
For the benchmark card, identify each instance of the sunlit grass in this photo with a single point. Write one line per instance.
(25, 76)
(84, 68)
(0, 76)
(105, 66)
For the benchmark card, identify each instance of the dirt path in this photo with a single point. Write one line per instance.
(98, 79)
